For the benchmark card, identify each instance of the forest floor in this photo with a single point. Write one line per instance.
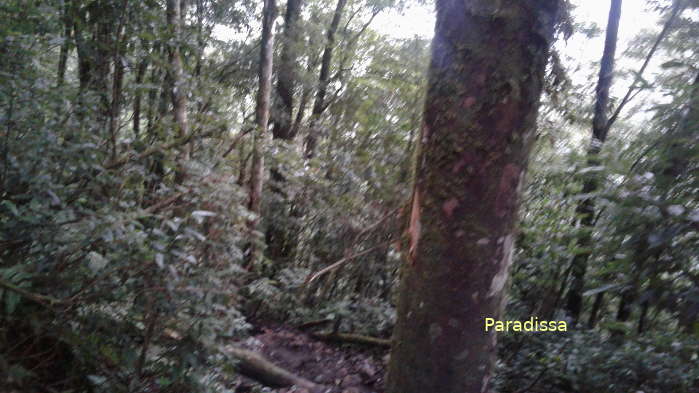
(339, 368)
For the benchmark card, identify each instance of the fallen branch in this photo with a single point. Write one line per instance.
(353, 339)
(339, 263)
(255, 366)
(310, 324)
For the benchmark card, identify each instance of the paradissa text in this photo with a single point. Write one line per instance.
(533, 324)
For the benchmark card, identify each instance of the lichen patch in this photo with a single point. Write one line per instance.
(503, 266)
(449, 206)
(434, 332)
(415, 226)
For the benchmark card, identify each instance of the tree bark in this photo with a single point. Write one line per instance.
(261, 121)
(280, 235)
(117, 80)
(600, 127)
(323, 79)
(93, 25)
(485, 81)
(140, 74)
(65, 45)
(286, 79)
(179, 98)
(599, 300)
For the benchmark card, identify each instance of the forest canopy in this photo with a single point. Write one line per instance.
(324, 196)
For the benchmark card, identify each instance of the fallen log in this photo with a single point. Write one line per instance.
(352, 339)
(255, 366)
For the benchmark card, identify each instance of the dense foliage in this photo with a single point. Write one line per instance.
(125, 238)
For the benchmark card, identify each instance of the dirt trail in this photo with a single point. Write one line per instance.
(340, 368)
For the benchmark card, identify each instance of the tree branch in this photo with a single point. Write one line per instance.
(679, 6)
(339, 263)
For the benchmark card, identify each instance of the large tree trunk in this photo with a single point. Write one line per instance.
(93, 26)
(261, 121)
(326, 62)
(600, 127)
(485, 81)
(280, 235)
(286, 79)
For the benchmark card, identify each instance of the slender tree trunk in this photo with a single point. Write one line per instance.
(485, 81)
(624, 311)
(117, 81)
(261, 121)
(65, 46)
(156, 75)
(642, 317)
(140, 74)
(323, 79)
(303, 102)
(115, 107)
(104, 12)
(599, 300)
(179, 98)
(600, 128)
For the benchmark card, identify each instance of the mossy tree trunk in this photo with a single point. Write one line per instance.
(485, 81)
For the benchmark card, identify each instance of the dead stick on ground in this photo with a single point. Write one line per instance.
(353, 339)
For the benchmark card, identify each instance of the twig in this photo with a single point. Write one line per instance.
(45, 301)
(159, 205)
(310, 324)
(152, 150)
(236, 140)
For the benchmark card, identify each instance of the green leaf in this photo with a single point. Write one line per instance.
(11, 206)
(673, 64)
